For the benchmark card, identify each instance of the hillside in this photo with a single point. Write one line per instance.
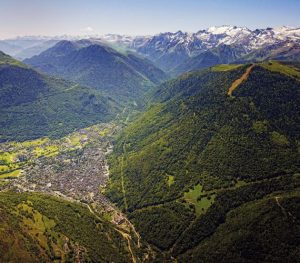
(34, 105)
(40, 228)
(238, 241)
(119, 75)
(211, 141)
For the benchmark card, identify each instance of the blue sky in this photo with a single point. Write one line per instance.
(56, 17)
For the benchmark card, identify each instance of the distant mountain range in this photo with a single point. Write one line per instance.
(169, 50)
(179, 52)
(26, 47)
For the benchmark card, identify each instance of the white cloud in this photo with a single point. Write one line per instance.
(87, 29)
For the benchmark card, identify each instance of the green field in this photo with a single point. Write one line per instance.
(199, 199)
(171, 180)
(225, 67)
(279, 67)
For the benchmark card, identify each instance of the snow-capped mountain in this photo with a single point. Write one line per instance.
(169, 50)
(227, 35)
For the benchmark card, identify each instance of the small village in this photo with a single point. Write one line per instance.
(76, 170)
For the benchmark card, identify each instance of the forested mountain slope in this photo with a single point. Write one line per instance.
(40, 228)
(210, 142)
(34, 105)
(123, 76)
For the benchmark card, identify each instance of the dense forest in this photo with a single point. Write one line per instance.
(34, 105)
(202, 148)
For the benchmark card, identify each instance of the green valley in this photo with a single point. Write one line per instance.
(149, 131)
(205, 166)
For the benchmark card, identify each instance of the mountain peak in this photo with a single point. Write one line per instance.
(65, 44)
(226, 29)
(94, 64)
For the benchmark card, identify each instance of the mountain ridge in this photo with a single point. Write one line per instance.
(125, 76)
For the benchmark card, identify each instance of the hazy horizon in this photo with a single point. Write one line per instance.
(112, 33)
(139, 17)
